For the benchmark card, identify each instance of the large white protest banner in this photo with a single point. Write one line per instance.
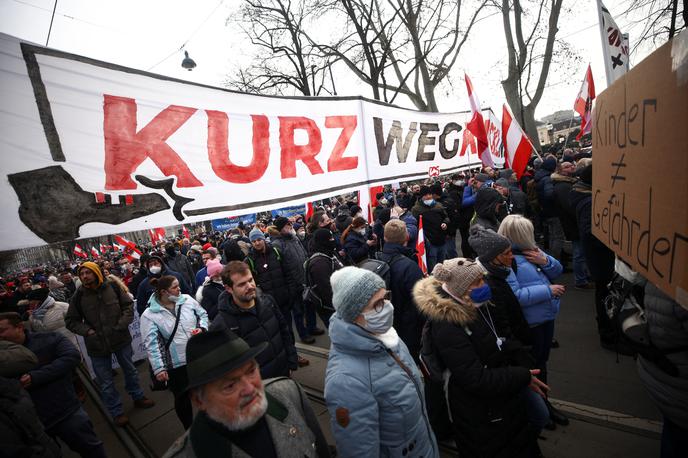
(91, 148)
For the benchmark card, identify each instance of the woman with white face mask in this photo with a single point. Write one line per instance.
(486, 388)
(355, 241)
(373, 389)
(166, 326)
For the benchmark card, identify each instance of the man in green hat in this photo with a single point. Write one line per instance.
(239, 414)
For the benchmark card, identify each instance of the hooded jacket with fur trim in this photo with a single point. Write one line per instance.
(485, 392)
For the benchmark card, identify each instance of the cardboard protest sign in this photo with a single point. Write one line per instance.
(640, 172)
(91, 148)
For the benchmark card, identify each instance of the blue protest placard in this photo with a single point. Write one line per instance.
(226, 224)
(288, 212)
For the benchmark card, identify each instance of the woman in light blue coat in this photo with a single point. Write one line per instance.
(531, 281)
(531, 277)
(373, 388)
(157, 327)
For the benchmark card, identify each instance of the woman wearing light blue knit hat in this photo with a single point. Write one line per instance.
(373, 389)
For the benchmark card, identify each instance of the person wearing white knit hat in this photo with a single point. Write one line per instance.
(373, 389)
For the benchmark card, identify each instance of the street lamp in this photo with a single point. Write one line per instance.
(188, 63)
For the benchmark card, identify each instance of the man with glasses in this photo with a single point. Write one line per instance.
(373, 389)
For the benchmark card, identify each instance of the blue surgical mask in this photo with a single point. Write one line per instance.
(481, 295)
(429, 202)
(379, 322)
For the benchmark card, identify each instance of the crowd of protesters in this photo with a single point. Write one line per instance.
(459, 352)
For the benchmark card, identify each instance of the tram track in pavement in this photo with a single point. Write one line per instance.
(128, 437)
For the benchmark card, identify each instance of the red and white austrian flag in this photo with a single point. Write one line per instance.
(128, 248)
(477, 125)
(517, 147)
(94, 252)
(420, 247)
(78, 251)
(583, 104)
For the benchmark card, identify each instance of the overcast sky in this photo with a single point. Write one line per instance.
(148, 34)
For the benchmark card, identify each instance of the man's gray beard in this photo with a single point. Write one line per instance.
(244, 421)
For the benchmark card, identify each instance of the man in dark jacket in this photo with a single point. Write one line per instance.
(321, 265)
(600, 259)
(563, 181)
(488, 203)
(468, 210)
(157, 268)
(544, 187)
(255, 317)
(101, 312)
(452, 208)
(51, 388)
(515, 200)
(267, 267)
(404, 273)
(455, 192)
(295, 255)
(435, 224)
(181, 264)
(21, 431)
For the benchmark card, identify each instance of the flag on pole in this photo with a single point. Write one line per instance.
(309, 211)
(468, 143)
(614, 45)
(493, 128)
(103, 248)
(477, 126)
(128, 248)
(420, 247)
(186, 232)
(157, 235)
(78, 251)
(517, 147)
(94, 252)
(583, 104)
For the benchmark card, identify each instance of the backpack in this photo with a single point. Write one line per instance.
(630, 325)
(431, 365)
(309, 294)
(381, 267)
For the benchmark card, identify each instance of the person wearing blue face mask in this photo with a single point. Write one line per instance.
(486, 375)
(373, 388)
(435, 226)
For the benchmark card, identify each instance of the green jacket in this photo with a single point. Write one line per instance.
(294, 428)
(108, 311)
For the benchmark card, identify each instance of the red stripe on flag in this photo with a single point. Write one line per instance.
(420, 247)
